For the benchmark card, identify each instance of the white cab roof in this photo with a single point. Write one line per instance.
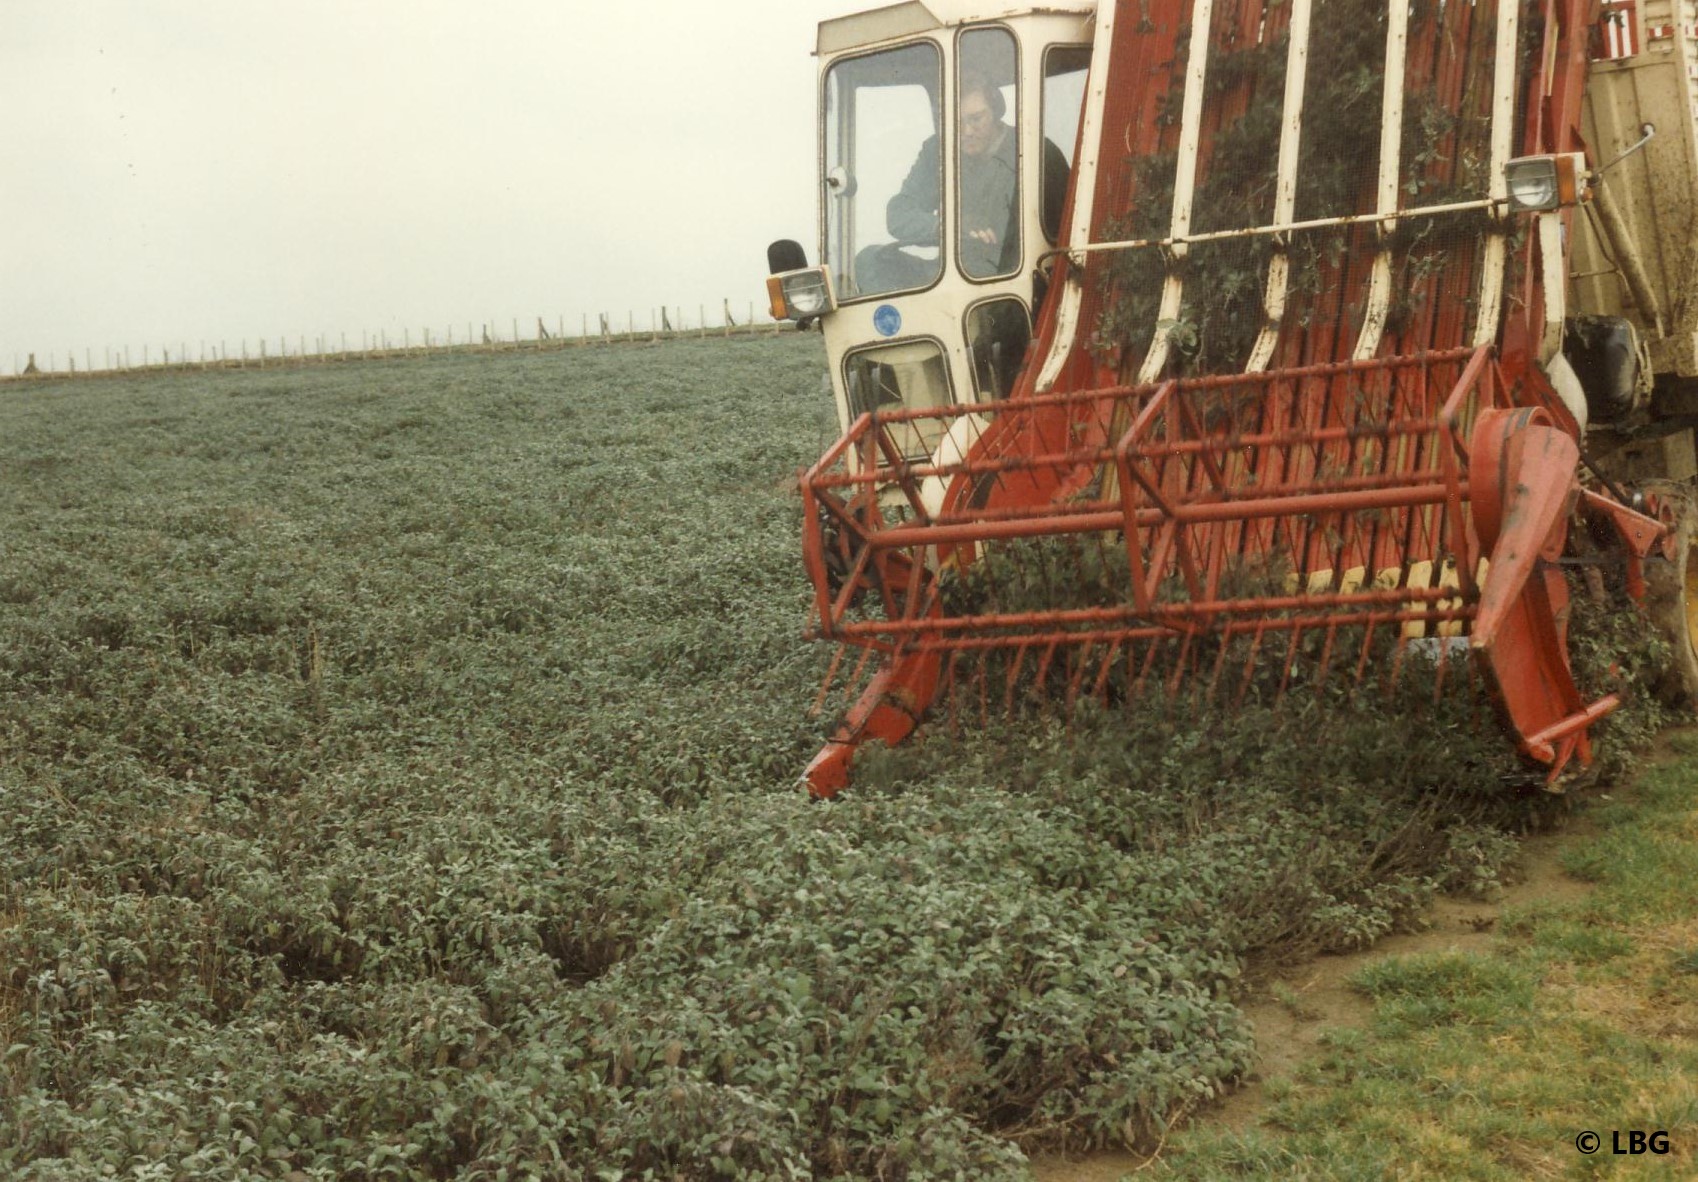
(919, 16)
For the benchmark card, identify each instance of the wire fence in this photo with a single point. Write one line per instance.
(301, 350)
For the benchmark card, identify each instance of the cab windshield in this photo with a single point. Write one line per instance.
(881, 140)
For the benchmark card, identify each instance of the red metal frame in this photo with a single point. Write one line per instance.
(1338, 509)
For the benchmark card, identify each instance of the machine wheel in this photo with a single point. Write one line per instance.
(1671, 597)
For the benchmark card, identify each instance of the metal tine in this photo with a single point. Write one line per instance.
(1220, 663)
(1315, 533)
(982, 679)
(1478, 709)
(1077, 675)
(1271, 463)
(850, 687)
(1180, 664)
(1137, 686)
(1102, 554)
(1323, 668)
(1395, 671)
(830, 677)
(1352, 543)
(1013, 678)
(1249, 674)
(1043, 667)
(1290, 659)
(1214, 560)
(860, 668)
(1376, 461)
(1367, 646)
(1076, 549)
(918, 604)
(1100, 689)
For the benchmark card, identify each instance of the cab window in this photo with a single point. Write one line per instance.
(1065, 69)
(987, 160)
(907, 375)
(883, 171)
(998, 332)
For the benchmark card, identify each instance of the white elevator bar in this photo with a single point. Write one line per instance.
(1184, 182)
(1503, 127)
(1285, 192)
(1084, 199)
(1391, 155)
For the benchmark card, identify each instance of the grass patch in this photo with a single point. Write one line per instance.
(1488, 1066)
(1419, 993)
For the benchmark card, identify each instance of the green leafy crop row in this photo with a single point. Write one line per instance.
(397, 781)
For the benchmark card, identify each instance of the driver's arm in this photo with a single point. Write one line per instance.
(912, 215)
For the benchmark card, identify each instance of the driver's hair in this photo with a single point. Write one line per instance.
(974, 82)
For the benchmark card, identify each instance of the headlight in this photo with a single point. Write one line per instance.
(800, 295)
(1544, 182)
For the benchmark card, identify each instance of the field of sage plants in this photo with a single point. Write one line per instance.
(397, 781)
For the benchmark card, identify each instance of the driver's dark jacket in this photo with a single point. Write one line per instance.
(989, 184)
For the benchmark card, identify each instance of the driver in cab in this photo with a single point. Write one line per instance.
(989, 181)
(989, 227)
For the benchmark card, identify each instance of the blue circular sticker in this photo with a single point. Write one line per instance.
(887, 320)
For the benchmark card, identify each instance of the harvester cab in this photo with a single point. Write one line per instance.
(946, 142)
(1352, 310)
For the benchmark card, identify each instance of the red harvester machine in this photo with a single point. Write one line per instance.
(1357, 319)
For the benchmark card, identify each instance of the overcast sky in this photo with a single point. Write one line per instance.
(186, 171)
